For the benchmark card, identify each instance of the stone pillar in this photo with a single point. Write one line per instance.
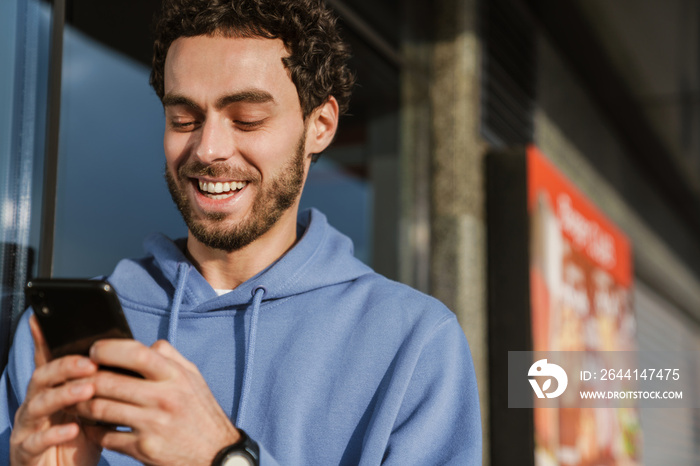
(442, 224)
(458, 229)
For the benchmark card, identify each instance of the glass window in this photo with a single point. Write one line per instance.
(111, 192)
(23, 59)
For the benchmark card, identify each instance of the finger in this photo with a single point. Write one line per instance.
(42, 354)
(144, 448)
(39, 442)
(113, 412)
(166, 349)
(132, 355)
(191, 370)
(124, 388)
(60, 371)
(94, 431)
(119, 441)
(48, 402)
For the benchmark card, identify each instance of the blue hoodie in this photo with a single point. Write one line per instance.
(318, 358)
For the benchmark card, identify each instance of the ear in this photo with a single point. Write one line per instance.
(322, 125)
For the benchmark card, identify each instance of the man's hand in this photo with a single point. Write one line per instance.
(173, 416)
(44, 434)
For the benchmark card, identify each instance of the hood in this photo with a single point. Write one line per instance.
(322, 257)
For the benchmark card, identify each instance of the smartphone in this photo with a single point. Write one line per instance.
(75, 313)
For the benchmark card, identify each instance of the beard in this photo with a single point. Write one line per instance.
(273, 199)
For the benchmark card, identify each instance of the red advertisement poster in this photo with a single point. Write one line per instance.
(580, 282)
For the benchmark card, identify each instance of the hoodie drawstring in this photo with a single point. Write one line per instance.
(258, 294)
(182, 272)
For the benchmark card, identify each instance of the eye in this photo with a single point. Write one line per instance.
(249, 125)
(183, 125)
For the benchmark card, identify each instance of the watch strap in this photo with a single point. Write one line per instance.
(245, 446)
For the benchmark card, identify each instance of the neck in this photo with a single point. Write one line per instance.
(226, 270)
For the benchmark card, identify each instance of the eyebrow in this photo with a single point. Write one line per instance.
(254, 96)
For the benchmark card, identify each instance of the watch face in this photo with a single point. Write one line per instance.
(237, 459)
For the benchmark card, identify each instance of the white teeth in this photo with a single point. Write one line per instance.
(220, 196)
(226, 188)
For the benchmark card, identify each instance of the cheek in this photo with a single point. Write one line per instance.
(274, 149)
(271, 155)
(175, 148)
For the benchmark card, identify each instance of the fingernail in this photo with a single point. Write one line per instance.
(65, 430)
(84, 363)
(77, 389)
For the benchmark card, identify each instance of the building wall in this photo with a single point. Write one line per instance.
(572, 132)
(576, 136)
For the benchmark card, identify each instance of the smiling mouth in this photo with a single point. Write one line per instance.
(220, 190)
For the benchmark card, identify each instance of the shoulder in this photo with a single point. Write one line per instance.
(382, 288)
(140, 280)
(391, 300)
(149, 279)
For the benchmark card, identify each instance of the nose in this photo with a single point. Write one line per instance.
(215, 142)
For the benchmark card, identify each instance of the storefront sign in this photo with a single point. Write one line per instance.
(580, 293)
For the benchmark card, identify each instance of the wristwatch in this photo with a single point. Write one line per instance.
(245, 452)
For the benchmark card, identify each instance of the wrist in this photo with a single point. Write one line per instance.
(244, 451)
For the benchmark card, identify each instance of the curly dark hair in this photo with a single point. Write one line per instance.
(317, 59)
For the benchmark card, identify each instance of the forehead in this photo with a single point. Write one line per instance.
(206, 67)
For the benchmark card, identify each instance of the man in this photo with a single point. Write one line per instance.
(259, 337)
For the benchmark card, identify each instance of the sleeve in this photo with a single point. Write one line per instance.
(13, 383)
(6, 414)
(439, 421)
(266, 458)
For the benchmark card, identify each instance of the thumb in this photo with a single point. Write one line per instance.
(42, 354)
(167, 350)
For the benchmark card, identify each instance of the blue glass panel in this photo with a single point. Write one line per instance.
(21, 142)
(111, 192)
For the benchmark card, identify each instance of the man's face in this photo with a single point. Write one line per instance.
(234, 138)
